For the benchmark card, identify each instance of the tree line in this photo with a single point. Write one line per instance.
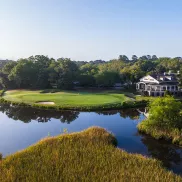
(41, 72)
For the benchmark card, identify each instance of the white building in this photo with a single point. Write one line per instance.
(156, 85)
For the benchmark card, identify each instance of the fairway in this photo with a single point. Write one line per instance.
(66, 98)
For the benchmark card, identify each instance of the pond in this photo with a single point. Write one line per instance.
(21, 127)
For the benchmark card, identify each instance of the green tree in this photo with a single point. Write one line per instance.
(123, 58)
(180, 77)
(154, 57)
(42, 64)
(149, 57)
(68, 71)
(143, 58)
(54, 70)
(165, 112)
(167, 64)
(4, 73)
(107, 78)
(8, 67)
(134, 58)
(86, 80)
(89, 69)
(24, 74)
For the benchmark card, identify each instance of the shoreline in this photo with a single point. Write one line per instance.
(124, 105)
(172, 135)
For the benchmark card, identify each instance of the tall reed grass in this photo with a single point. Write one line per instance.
(90, 155)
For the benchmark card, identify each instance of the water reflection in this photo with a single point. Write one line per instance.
(125, 113)
(27, 114)
(170, 155)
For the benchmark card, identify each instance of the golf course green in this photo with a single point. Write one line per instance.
(68, 99)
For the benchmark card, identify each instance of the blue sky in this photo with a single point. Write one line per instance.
(90, 29)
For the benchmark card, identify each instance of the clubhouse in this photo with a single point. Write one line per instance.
(158, 84)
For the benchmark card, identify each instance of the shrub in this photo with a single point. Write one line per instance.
(2, 92)
(165, 121)
(165, 112)
(167, 93)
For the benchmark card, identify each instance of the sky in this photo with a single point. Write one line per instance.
(90, 29)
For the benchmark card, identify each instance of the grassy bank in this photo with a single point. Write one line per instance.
(90, 155)
(173, 135)
(71, 100)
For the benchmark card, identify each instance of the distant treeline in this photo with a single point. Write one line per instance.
(40, 72)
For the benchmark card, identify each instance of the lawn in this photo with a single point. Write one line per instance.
(149, 99)
(146, 98)
(89, 155)
(68, 98)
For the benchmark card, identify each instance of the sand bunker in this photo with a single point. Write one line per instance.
(46, 103)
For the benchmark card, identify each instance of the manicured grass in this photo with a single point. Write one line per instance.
(90, 155)
(146, 98)
(149, 99)
(68, 99)
(170, 134)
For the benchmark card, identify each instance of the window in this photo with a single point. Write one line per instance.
(148, 87)
(158, 88)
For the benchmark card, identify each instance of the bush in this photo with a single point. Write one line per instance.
(167, 93)
(2, 92)
(165, 121)
(165, 112)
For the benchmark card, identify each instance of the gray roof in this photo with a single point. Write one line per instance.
(165, 77)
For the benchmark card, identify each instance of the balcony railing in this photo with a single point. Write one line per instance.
(153, 89)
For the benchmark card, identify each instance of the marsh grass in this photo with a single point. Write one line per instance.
(173, 135)
(90, 155)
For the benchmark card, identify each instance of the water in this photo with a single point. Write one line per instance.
(21, 127)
